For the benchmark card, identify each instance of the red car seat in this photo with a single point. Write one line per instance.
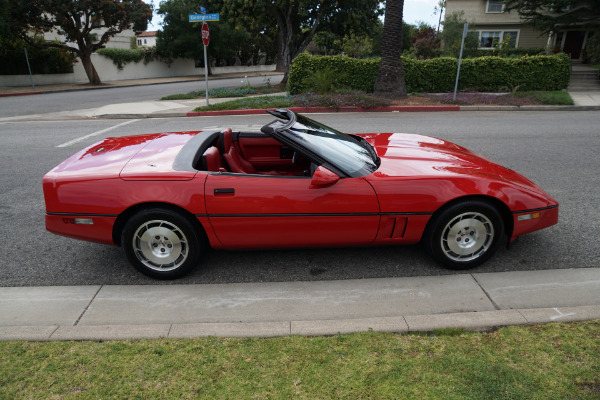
(233, 157)
(211, 160)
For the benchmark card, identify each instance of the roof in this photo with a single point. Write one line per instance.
(147, 34)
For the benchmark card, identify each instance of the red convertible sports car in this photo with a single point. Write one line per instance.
(296, 183)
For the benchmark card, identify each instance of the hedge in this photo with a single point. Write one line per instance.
(484, 74)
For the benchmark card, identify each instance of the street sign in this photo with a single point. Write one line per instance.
(203, 17)
(205, 34)
(202, 10)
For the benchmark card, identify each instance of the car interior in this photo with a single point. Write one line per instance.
(252, 153)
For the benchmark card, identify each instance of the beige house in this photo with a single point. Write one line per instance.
(495, 25)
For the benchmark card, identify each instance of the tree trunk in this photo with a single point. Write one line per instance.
(284, 39)
(280, 51)
(390, 76)
(90, 71)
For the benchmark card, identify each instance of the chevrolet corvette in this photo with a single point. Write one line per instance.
(167, 198)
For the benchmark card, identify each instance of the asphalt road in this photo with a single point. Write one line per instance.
(558, 150)
(65, 101)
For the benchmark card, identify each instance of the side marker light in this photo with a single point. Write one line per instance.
(525, 217)
(79, 221)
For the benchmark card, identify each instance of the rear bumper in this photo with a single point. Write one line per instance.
(527, 221)
(99, 231)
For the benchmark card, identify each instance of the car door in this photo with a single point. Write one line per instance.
(247, 211)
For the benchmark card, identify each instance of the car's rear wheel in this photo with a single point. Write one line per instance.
(465, 234)
(162, 243)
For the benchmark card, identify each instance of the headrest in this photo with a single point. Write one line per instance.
(227, 137)
(211, 159)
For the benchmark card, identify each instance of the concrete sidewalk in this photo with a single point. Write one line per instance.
(476, 301)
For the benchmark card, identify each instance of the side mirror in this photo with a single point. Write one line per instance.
(324, 177)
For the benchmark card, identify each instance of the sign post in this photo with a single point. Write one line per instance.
(205, 40)
(203, 17)
(462, 45)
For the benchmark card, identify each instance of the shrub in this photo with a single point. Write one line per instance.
(452, 36)
(121, 57)
(593, 48)
(486, 74)
(426, 43)
(42, 60)
(321, 81)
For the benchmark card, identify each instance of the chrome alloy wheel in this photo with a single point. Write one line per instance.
(467, 236)
(160, 245)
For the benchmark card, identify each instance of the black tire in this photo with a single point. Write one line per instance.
(465, 234)
(162, 243)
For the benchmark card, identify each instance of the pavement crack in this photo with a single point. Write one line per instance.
(88, 305)
(486, 293)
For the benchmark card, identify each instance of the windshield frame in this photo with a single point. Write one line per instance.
(346, 155)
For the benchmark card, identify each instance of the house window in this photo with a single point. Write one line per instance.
(490, 40)
(494, 6)
(139, 42)
(493, 39)
(511, 37)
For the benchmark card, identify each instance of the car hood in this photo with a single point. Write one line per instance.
(140, 157)
(406, 155)
(459, 171)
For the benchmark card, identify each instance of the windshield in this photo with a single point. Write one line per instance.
(350, 154)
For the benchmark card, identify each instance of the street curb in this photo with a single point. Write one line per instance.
(351, 109)
(471, 321)
(19, 94)
(327, 110)
(389, 109)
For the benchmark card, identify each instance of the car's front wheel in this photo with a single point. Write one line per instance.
(162, 243)
(465, 234)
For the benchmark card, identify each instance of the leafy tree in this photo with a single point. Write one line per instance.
(357, 46)
(390, 76)
(4, 19)
(297, 21)
(439, 8)
(550, 15)
(78, 21)
(228, 42)
(452, 36)
(332, 43)
(426, 42)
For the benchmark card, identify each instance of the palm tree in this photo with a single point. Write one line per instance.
(390, 77)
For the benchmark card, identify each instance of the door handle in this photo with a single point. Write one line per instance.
(224, 191)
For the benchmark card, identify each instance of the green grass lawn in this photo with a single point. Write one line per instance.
(553, 97)
(556, 361)
(221, 93)
(336, 100)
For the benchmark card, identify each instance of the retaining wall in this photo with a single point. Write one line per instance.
(109, 72)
